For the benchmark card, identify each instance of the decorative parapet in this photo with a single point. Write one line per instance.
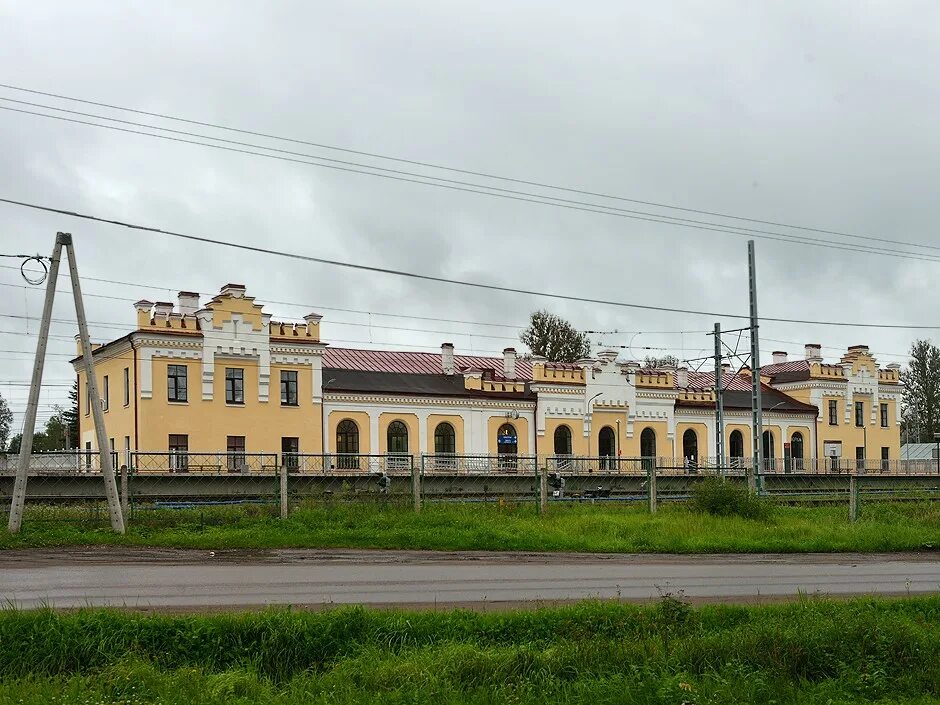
(704, 396)
(296, 332)
(890, 375)
(655, 379)
(824, 371)
(544, 371)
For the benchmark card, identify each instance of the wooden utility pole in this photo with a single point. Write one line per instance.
(64, 240)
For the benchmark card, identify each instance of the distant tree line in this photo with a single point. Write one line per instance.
(59, 433)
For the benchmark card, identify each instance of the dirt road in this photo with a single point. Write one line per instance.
(172, 579)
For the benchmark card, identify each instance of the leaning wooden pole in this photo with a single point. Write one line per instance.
(104, 450)
(18, 501)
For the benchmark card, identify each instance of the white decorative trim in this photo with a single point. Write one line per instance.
(146, 363)
(428, 401)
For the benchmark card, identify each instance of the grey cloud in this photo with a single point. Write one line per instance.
(821, 115)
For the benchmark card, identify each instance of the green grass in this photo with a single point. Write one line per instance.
(676, 528)
(807, 652)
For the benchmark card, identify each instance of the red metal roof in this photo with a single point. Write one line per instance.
(407, 362)
(791, 366)
(729, 381)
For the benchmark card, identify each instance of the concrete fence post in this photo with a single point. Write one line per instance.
(282, 490)
(853, 497)
(124, 491)
(543, 490)
(416, 483)
(651, 486)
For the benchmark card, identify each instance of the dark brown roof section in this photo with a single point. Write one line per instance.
(367, 382)
(771, 400)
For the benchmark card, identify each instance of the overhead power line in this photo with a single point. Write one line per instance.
(445, 280)
(497, 192)
(432, 165)
(312, 307)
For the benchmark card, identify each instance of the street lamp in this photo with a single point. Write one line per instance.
(936, 437)
(779, 403)
(587, 416)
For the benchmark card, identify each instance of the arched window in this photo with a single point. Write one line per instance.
(767, 441)
(606, 447)
(397, 436)
(445, 440)
(690, 448)
(796, 451)
(648, 448)
(736, 448)
(648, 443)
(562, 440)
(507, 445)
(347, 444)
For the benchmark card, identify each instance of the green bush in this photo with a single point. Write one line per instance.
(724, 498)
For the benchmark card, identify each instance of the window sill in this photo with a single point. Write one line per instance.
(177, 402)
(290, 406)
(236, 404)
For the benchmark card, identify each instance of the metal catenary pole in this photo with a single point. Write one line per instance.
(26, 445)
(104, 450)
(719, 404)
(757, 434)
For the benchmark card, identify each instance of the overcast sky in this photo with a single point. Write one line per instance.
(816, 114)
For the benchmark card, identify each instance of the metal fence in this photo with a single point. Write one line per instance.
(70, 485)
(57, 462)
(203, 463)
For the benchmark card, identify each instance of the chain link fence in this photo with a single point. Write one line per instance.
(62, 486)
(214, 487)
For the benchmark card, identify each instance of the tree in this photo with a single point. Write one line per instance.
(920, 400)
(553, 337)
(57, 432)
(69, 416)
(652, 362)
(6, 422)
(41, 443)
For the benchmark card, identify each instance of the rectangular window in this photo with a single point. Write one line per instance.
(833, 412)
(234, 387)
(105, 393)
(859, 413)
(127, 386)
(235, 445)
(179, 449)
(288, 387)
(88, 454)
(884, 416)
(885, 462)
(290, 447)
(177, 387)
(860, 458)
(111, 445)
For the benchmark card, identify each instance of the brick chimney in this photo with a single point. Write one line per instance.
(188, 302)
(509, 363)
(447, 358)
(162, 311)
(682, 377)
(814, 352)
(780, 356)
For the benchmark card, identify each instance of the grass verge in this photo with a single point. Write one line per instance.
(676, 528)
(810, 651)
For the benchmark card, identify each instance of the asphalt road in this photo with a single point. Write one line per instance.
(183, 580)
